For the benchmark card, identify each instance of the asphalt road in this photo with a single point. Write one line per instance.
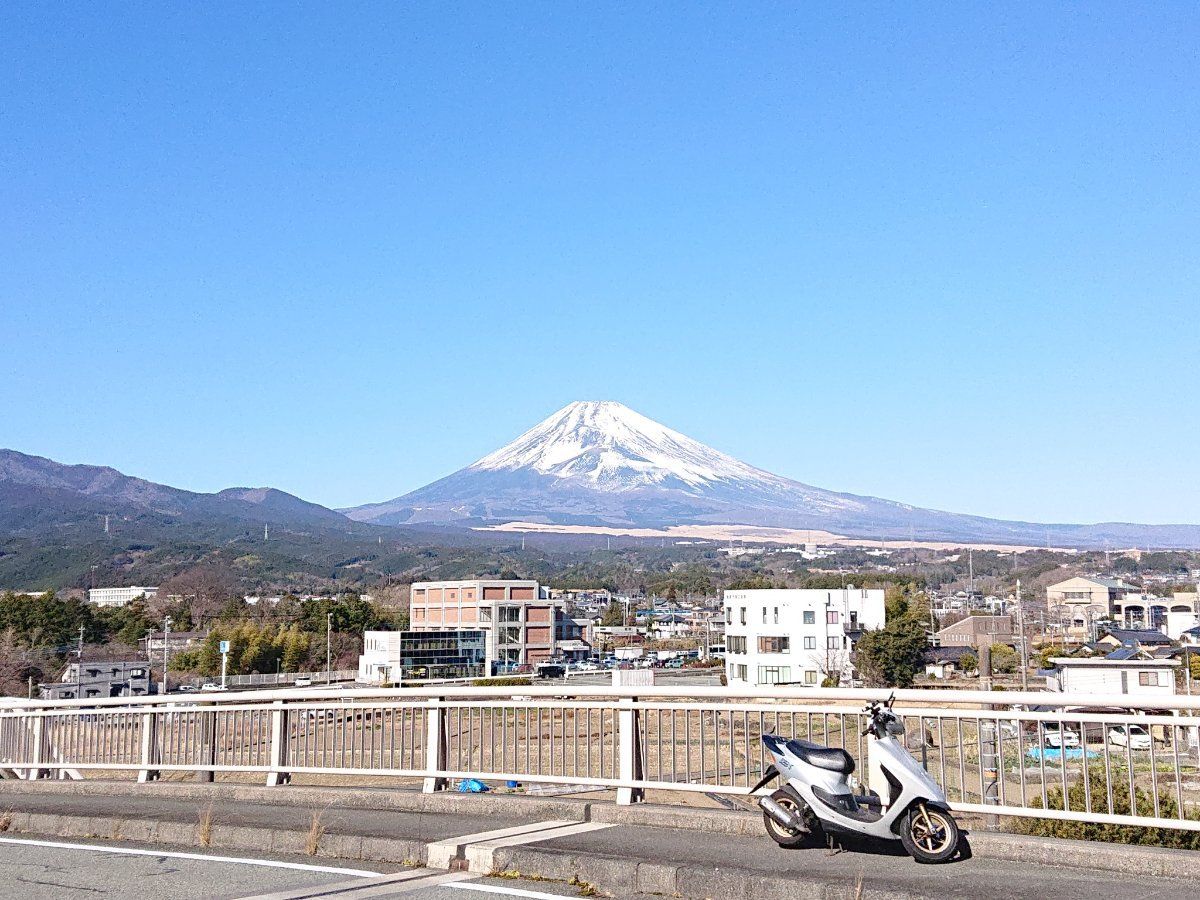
(72, 870)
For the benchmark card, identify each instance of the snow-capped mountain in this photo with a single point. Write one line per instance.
(601, 463)
(613, 448)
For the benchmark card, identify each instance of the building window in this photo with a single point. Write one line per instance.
(485, 614)
(810, 617)
(833, 642)
(741, 672)
(1148, 679)
(810, 643)
(743, 615)
(729, 615)
(509, 634)
(510, 613)
(810, 676)
(831, 617)
(777, 615)
(774, 674)
(736, 644)
(774, 645)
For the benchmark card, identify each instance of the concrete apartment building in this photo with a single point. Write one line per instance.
(976, 631)
(120, 596)
(522, 624)
(111, 678)
(796, 636)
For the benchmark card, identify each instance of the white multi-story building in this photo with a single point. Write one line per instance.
(796, 636)
(119, 596)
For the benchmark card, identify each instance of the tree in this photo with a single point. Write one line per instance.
(968, 662)
(751, 583)
(891, 656)
(1004, 659)
(614, 614)
(201, 591)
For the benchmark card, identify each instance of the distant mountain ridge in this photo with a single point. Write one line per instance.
(36, 492)
(601, 463)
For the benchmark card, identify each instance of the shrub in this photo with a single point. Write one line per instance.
(503, 681)
(1143, 805)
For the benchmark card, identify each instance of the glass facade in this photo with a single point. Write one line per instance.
(441, 654)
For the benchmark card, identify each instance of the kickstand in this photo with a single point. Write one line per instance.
(833, 851)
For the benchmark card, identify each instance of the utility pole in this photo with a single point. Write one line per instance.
(1024, 648)
(328, 646)
(166, 650)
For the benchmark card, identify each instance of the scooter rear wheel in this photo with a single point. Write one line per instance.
(785, 837)
(929, 835)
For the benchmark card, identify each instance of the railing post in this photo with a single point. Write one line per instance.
(149, 748)
(279, 745)
(39, 748)
(208, 744)
(629, 751)
(436, 746)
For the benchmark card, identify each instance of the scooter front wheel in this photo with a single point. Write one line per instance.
(929, 835)
(786, 837)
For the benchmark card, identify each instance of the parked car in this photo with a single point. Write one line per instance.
(1056, 736)
(587, 666)
(184, 688)
(303, 682)
(1135, 737)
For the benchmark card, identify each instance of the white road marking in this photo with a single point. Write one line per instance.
(480, 855)
(342, 888)
(440, 854)
(505, 891)
(133, 851)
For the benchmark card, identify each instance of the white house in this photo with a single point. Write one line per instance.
(795, 636)
(120, 596)
(1146, 677)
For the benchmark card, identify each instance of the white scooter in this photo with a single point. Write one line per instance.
(903, 802)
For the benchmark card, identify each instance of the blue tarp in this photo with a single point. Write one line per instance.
(1053, 753)
(472, 786)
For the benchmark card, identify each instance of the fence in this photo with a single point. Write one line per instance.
(280, 678)
(1036, 754)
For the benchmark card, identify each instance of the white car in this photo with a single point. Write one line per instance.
(1135, 737)
(1054, 735)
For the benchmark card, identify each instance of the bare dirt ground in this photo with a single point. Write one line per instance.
(759, 534)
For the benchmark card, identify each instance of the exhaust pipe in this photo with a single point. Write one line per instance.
(789, 820)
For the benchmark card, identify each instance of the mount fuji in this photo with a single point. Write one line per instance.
(599, 463)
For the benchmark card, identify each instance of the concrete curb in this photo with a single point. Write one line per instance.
(1123, 859)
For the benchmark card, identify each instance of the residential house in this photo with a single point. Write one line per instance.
(1134, 675)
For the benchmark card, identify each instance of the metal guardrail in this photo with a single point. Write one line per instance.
(990, 752)
(278, 679)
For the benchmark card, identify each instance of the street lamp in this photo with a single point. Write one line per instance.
(166, 649)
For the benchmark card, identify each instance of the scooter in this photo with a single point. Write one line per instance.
(902, 802)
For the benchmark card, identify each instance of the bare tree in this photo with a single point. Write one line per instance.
(203, 589)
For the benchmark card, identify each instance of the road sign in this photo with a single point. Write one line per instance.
(224, 646)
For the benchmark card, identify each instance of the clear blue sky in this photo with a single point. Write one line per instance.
(946, 254)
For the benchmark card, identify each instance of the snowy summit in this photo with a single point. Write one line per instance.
(608, 445)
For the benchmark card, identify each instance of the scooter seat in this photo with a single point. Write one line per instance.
(835, 759)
